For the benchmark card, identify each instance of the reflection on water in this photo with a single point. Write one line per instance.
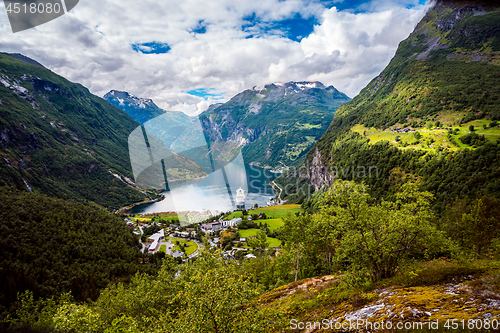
(212, 193)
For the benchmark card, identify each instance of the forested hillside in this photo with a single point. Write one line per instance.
(430, 116)
(59, 139)
(52, 246)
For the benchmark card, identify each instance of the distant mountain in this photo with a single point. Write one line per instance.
(274, 125)
(140, 109)
(58, 139)
(165, 125)
(430, 116)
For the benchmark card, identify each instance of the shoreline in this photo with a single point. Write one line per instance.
(127, 208)
(124, 210)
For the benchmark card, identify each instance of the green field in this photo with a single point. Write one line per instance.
(272, 212)
(272, 223)
(275, 216)
(156, 217)
(432, 137)
(190, 249)
(273, 242)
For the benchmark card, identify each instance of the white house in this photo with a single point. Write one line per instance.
(230, 223)
(155, 240)
(183, 234)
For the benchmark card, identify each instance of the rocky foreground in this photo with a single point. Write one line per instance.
(459, 301)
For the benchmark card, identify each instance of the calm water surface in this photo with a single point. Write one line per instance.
(212, 193)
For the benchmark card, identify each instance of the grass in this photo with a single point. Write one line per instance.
(248, 232)
(272, 211)
(431, 138)
(276, 214)
(273, 242)
(273, 223)
(190, 249)
(422, 286)
(156, 217)
(163, 249)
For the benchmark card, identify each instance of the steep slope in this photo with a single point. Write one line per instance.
(51, 246)
(58, 139)
(429, 116)
(272, 125)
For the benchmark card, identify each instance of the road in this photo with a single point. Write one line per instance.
(143, 246)
(279, 195)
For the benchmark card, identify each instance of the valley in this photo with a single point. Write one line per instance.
(290, 207)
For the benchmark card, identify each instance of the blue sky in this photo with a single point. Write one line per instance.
(188, 54)
(207, 93)
(151, 48)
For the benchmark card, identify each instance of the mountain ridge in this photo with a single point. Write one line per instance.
(275, 124)
(132, 104)
(270, 125)
(59, 139)
(430, 115)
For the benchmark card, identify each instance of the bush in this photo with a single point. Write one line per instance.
(473, 139)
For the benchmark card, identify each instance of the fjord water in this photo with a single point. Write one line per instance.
(212, 193)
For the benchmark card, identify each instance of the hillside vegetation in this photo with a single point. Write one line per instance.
(52, 246)
(430, 116)
(59, 139)
(352, 259)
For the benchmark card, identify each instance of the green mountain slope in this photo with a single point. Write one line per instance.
(58, 139)
(51, 246)
(273, 125)
(429, 116)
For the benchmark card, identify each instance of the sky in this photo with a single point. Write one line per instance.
(188, 54)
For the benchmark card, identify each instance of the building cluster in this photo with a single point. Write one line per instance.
(403, 130)
(219, 225)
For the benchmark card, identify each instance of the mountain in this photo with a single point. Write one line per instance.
(139, 109)
(165, 125)
(58, 139)
(430, 116)
(274, 125)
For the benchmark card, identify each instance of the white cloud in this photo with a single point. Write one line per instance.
(92, 45)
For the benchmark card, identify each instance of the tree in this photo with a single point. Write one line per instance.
(474, 224)
(378, 237)
(294, 229)
(471, 128)
(217, 297)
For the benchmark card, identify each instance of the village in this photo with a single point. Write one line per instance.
(233, 233)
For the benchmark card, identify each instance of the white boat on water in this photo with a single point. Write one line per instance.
(240, 199)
